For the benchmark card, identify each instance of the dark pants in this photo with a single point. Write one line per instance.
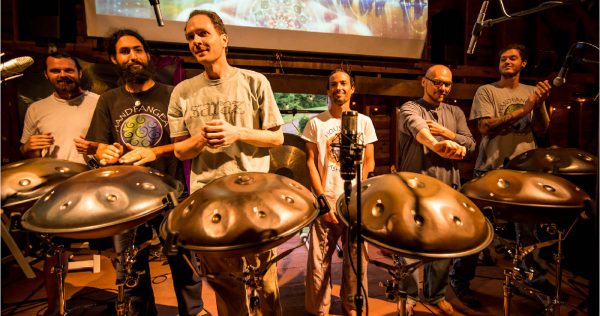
(188, 289)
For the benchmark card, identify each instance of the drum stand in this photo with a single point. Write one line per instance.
(399, 271)
(131, 278)
(514, 276)
(59, 269)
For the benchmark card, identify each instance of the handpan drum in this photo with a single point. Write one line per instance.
(24, 182)
(527, 197)
(239, 214)
(558, 161)
(418, 216)
(101, 202)
(575, 165)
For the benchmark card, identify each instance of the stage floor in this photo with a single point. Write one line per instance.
(91, 294)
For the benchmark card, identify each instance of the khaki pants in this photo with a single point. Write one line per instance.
(231, 293)
(323, 239)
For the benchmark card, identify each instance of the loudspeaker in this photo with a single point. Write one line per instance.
(47, 21)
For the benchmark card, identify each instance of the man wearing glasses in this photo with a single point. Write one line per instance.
(432, 135)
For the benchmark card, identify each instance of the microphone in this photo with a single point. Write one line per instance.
(15, 66)
(477, 27)
(560, 78)
(156, 5)
(349, 138)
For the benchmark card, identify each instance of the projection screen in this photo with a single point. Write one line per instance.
(383, 28)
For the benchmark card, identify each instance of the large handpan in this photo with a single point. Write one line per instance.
(527, 197)
(239, 214)
(289, 159)
(418, 216)
(101, 202)
(24, 182)
(573, 164)
(563, 161)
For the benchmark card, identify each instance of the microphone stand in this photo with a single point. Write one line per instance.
(356, 151)
(542, 7)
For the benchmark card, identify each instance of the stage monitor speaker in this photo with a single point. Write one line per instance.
(47, 21)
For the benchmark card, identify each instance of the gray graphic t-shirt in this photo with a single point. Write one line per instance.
(245, 99)
(493, 101)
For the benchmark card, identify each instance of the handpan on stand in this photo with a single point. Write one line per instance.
(416, 216)
(529, 197)
(102, 203)
(23, 183)
(240, 214)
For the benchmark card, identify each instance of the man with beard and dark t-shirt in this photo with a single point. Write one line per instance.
(131, 127)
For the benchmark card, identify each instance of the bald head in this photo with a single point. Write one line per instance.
(438, 70)
(436, 83)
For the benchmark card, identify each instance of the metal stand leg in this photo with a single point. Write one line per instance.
(59, 270)
(121, 306)
(16, 252)
(508, 286)
(398, 271)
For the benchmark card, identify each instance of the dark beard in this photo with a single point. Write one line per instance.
(70, 86)
(136, 76)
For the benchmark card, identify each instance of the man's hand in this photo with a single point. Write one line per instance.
(449, 149)
(138, 155)
(537, 98)
(220, 133)
(38, 142)
(542, 92)
(85, 147)
(330, 217)
(439, 130)
(109, 154)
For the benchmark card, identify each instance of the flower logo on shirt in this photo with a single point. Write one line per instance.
(522, 125)
(142, 130)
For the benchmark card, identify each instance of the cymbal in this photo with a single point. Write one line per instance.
(239, 214)
(101, 202)
(418, 216)
(555, 160)
(289, 159)
(527, 197)
(23, 182)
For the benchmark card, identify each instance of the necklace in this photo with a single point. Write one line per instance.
(136, 101)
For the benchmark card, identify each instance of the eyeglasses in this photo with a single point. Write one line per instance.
(439, 83)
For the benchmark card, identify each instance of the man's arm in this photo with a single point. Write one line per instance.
(85, 147)
(368, 160)
(410, 121)
(141, 155)
(312, 154)
(535, 103)
(540, 120)
(109, 154)
(189, 147)
(445, 148)
(33, 147)
(221, 133)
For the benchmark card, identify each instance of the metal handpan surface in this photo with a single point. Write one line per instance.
(289, 159)
(555, 160)
(23, 182)
(526, 197)
(575, 165)
(241, 213)
(443, 224)
(101, 202)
